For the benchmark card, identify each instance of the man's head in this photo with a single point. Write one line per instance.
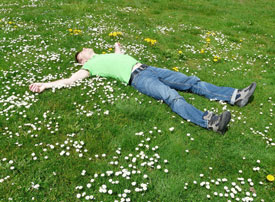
(84, 55)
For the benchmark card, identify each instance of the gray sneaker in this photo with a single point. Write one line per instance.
(244, 94)
(218, 123)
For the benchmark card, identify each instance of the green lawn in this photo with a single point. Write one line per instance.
(101, 140)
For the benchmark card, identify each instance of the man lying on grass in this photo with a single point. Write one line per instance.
(158, 83)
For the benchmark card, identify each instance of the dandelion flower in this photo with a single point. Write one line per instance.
(176, 69)
(151, 41)
(115, 34)
(216, 58)
(270, 178)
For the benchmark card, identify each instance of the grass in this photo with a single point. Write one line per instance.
(100, 121)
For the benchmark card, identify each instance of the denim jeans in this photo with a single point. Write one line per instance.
(162, 84)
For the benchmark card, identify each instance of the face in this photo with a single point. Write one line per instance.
(85, 55)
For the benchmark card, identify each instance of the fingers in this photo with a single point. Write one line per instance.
(34, 87)
(31, 87)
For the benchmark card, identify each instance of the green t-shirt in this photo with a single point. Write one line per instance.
(112, 65)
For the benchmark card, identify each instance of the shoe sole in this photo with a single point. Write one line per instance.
(225, 119)
(246, 98)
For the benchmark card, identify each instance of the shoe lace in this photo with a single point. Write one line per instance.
(241, 93)
(213, 119)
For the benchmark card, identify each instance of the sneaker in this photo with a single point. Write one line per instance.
(244, 94)
(218, 123)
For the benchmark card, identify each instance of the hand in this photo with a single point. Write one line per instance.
(118, 48)
(37, 87)
(117, 45)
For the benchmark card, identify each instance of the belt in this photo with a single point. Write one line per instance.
(137, 70)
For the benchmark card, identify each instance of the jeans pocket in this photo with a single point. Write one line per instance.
(139, 75)
(134, 81)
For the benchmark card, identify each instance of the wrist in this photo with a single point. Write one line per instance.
(47, 85)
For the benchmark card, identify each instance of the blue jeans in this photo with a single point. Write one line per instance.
(162, 84)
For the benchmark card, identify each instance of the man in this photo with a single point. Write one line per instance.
(158, 83)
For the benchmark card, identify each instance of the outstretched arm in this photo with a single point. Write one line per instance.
(118, 48)
(40, 87)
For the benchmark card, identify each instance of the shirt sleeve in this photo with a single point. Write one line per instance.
(87, 68)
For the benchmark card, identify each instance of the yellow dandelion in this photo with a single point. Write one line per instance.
(208, 40)
(202, 50)
(103, 52)
(114, 34)
(10, 22)
(180, 52)
(110, 49)
(77, 31)
(147, 39)
(153, 42)
(241, 40)
(15, 26)
(70, 30)
(175, 69)
(270, 178)
(216, 58)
